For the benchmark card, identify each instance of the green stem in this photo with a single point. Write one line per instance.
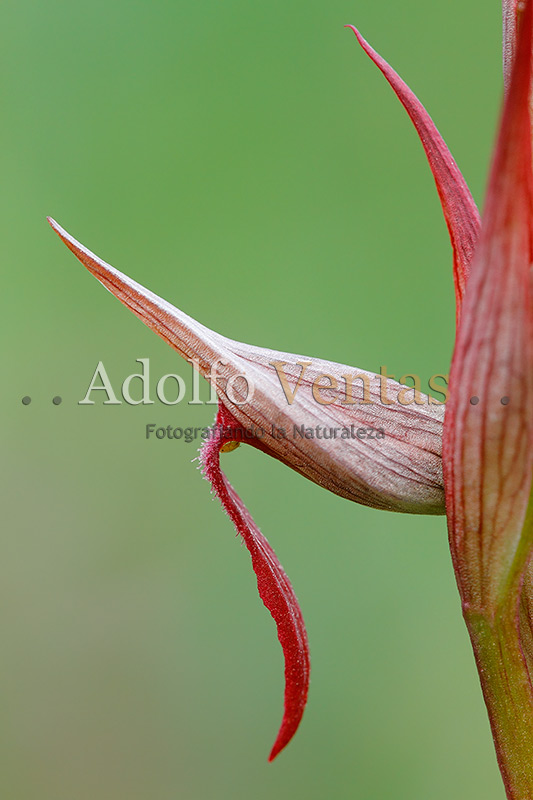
(504, 672)
(508, 695)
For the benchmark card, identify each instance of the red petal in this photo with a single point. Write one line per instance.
(460, 210)
(273, 584)
(489, 444)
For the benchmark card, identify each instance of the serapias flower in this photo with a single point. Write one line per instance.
(283, 396)
(487, 463)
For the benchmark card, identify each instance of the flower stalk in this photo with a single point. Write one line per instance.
(506, 685)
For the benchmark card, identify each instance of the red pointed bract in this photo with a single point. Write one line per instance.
(460, 210)
(488, 430)
(273, 584)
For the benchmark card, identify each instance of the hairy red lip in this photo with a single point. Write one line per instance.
(273, 585)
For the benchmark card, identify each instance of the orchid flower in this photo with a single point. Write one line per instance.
(475, 463)
(278, 403)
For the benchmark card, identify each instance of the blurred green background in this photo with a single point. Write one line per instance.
(247, 162)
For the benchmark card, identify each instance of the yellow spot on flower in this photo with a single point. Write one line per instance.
(229, 446)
